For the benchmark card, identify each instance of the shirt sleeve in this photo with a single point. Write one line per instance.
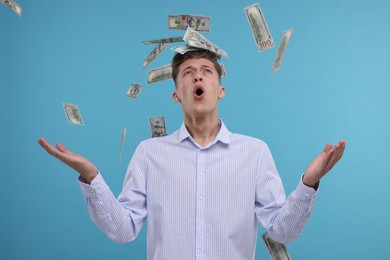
(120, 219)
(284, 219)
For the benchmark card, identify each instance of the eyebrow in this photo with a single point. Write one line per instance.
(193, 68)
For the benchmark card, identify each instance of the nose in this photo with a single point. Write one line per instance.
(197, 77)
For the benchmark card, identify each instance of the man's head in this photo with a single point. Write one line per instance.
(179, 59)
(197, 76)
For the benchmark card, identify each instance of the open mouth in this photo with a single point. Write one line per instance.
(199, 92)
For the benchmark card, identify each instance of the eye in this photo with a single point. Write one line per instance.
(208, 71)
(187, 72)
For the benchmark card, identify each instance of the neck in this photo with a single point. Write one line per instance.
(203, 130)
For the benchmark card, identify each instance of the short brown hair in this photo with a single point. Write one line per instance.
(179, 59)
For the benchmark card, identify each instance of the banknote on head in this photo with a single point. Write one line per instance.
(165, 40)
(183, 49)
(159, 48)
(195, 39)
(13, 5)
(157, 126)
(259, 27)
(182, 22)
(72, 114)
(134, 90)
(277, 250)
(122, 142)
(282, 49)
(160, 73)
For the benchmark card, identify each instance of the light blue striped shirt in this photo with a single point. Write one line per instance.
(200, 203)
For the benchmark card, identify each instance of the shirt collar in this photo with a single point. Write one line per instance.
(222, 136)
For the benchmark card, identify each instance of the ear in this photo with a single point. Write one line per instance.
(175, 97)
(221, 92)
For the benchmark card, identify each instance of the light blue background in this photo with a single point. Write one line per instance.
(333, 84)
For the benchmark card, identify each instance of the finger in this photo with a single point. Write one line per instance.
(342, 144)
(327, 148)
(337, 154)
(61, 147)
(50, 149)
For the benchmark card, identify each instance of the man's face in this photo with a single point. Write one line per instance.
(198, 88)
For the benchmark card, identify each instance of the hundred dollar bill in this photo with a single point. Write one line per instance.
(13, 5)
(277, 250)
(159, 48)
(197, 22)
(72, 114)
(224, 73)
(157, 126)
(260, 31)
(282, 48)
(165, 40)
(160, 74)
(183, 49)
(134, 90)
(195, 39)
(122, 142)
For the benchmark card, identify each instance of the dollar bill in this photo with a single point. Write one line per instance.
(122, 142)
(182, 22)
(277, 250)
(195, 39)
(165, 40)
(157, 126)
(13, 5)
(282, 49)
(134, 90)
(260, 31)
(183, 49)
(223, 69)
(159, 48)
(160, 74)
(72, 114)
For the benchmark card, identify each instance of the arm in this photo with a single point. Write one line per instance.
(121, 219)
(86, 169)
(284, 219)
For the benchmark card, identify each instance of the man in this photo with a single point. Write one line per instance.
(202, 189)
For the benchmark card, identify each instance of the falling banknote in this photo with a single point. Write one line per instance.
(195, 39)
(165, 40)
(196, 22)
(282, 48)
(260, 31)
(134, 90)
(122, 142)
(160, 73)
(277, 250)
(159, 48)
(72, 114)
(157, 126)
(13, 5)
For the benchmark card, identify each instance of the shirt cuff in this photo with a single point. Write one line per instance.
(97, 185)
(304, 191)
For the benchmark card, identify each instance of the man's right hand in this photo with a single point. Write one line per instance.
(82, 165)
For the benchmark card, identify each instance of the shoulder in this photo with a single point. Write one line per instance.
(159, 142)
(248, 142)
(235, 137)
